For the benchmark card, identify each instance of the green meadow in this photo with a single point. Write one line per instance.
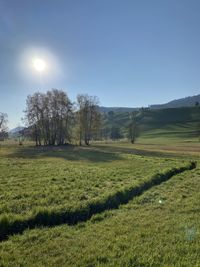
(110, 204)
(64, 178)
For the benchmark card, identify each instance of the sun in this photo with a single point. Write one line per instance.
(39, 64)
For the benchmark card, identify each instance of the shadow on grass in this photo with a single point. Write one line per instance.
(69, 152)
(152, 150)
(134, 151)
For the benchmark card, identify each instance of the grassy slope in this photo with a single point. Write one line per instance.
(174, 124)
(159, 228)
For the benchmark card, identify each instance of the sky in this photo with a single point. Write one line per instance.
(129, 53)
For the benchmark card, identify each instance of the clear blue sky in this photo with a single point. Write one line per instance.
(128, 53)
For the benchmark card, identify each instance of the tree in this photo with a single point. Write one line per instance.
(88, 117)
(115, 133)
(133, 128)
(59, 116)
(3, 126)
(33, 115)
(48, 115)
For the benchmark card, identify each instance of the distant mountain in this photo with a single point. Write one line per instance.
(116, 109)
(15, 131)
(182, 102)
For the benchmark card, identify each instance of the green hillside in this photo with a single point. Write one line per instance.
(170, 123)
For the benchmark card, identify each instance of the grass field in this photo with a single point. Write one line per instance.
(141, 217)
(66, 178)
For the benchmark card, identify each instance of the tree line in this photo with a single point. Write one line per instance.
(52, 118)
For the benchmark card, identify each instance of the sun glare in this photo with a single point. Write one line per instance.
(39, 64)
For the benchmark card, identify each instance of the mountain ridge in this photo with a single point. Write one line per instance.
(188, 101)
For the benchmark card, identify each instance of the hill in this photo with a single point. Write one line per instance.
(116, 109)
(171, 123)
(189, 101)
(15, 131)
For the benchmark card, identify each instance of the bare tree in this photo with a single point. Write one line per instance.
(3, 125)
(133, 127)
(49, 117)
(59, 115)
(33, 115)
(89, 117)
